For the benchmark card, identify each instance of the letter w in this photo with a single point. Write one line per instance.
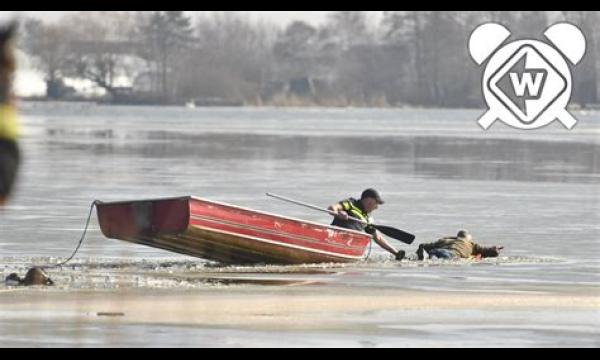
(527, 82)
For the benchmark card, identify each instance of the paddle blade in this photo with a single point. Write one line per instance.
(396, 234)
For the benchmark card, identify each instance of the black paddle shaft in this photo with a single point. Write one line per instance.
(387, 230)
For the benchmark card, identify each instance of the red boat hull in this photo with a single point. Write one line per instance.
(228, 234)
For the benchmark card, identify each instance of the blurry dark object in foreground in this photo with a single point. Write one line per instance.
(35, 276)
(9, 163)
(9, 150)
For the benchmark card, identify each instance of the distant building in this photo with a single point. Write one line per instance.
(146, 82)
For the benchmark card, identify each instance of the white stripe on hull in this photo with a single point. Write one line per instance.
(273, 232)
(277, 243)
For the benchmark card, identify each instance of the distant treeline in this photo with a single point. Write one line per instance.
(414, 58)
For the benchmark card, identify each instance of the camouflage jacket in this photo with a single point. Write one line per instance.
(461, 248)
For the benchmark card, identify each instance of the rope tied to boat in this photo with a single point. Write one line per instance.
(369, 253)
(87, 223)
(36, 274)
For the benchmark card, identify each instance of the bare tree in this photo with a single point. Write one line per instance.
(438, 67)
(101, 49)
(350, 28)
(405, 28)
(49, 46)
(230, 60)
(295, 48)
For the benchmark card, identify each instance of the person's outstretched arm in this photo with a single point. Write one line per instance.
(487, 251)
(383, 243)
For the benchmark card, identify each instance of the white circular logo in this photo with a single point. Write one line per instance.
(527, 83)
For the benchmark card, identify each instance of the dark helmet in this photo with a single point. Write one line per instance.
(372, 193)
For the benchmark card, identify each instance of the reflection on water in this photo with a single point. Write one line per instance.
(433, 156)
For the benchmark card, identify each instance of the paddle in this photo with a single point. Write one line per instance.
(387, 230)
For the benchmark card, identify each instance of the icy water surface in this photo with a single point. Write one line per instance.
(534, 192)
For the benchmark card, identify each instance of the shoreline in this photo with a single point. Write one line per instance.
(291, 104)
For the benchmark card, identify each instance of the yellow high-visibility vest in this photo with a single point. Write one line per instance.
(353, 210)
(8, 122)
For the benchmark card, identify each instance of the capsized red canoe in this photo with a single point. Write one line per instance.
(227, 233)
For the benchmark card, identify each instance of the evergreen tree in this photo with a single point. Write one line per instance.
(164, 37)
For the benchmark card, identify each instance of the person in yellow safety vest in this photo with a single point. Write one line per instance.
(361, 209)
(9, 150)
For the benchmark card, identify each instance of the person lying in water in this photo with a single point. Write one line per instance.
(361, 209)
(459, 247)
